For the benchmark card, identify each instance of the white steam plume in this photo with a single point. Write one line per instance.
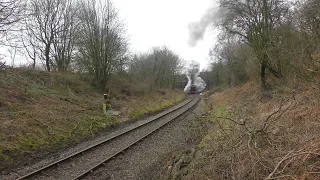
(198, 28)
(193, 79)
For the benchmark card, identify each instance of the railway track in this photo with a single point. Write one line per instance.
(100, 153)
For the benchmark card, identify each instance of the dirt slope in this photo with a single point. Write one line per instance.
(252, 137)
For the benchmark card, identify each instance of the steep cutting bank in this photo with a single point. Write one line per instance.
(251, 136)
(42, 112)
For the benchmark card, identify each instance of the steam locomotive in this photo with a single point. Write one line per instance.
(193, 89)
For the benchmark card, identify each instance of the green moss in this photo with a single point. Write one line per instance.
(136, 113)
(205, 141)
(38, 140)
(3, 156)
(92, 124)
(179, 98)
(139, 112)
(219, 111)
(216, 135)
(62, 137)
(85, 106)
(32, 141)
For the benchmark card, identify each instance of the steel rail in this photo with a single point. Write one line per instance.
(104, 161)
(160, 115)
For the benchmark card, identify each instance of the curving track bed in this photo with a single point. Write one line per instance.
(82, 163)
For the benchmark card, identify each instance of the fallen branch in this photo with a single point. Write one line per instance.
(267, 123)
(242, 123)
(283, 176)
(176, 169)
(286, 157)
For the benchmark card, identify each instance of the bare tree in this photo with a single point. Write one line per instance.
(49, 28)
(158, 69)
(310, 18)
(232, 58)
(102, 44)
(253, 21)
(30, 47)
(308, 22)
(64, 43)
(10, 13)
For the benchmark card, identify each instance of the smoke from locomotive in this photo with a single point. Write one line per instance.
(195, 84)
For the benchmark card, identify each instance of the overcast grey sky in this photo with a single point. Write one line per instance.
(165, 22)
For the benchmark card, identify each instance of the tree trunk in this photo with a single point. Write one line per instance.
(47, 51)
(34, 60)
(263, 75)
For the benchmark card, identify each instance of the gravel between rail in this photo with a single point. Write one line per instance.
(141, 161)
(71, 169)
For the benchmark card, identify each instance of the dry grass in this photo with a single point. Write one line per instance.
(42, 111)
(257, 138)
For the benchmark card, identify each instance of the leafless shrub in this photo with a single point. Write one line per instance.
(250, 144)
(2, 65)
(287, 160)
(103, 45)
(157, 69)
(49, 32)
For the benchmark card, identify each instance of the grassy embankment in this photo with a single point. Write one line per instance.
(41, 112)
(245, 135)
(256, 138)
